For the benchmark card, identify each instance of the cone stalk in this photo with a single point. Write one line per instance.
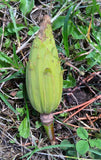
(47, 120)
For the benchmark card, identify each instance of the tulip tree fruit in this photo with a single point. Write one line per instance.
(44, 78)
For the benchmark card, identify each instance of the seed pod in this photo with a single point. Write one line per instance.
(43, 72)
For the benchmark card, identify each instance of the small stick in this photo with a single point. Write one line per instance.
(75, 126)
(75, 113)
(84, 106)
(78, 106)
(93, 117)
(69, 64)
(89, 118)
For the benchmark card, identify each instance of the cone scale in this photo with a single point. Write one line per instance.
(44, 77)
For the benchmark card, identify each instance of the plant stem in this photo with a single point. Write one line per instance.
(50, 131)
(47, 120)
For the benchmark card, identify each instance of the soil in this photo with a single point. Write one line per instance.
(72, 97)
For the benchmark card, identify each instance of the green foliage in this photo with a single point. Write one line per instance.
(4, 99)
(2, 6)
(14, 23)
(69, 148)
(64, 145)
(15, 58)
(66, 32)
(1, 31)
(82, 133)
(95, 143)
(58, 23)
(21, 111)
(60, 1)
(92, 9)
(32, 30)
(7, 61)
(93, 58)
(18, 74)
(26, 6)
(82, 147)
(95, 154)
(10, 29)
(24, 128)
(87, 144)
(5, 58)
(20, 94)
(69, 82)
(75, 32)
(13, 141)
(64, 114)
(7, 43)
(38, 124)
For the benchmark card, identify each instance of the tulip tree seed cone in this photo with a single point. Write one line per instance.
(44, 78)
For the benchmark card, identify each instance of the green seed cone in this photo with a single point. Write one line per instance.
(44, 77)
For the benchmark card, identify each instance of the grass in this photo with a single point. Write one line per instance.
(77, 31)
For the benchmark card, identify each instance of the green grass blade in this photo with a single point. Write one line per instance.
(47, 147)
(7, 103)
(65, 31)
(27, 111)
(5, 58)
(14, 23)
(15, 57)
(95, 151)
(15, 75)
(26, 6)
